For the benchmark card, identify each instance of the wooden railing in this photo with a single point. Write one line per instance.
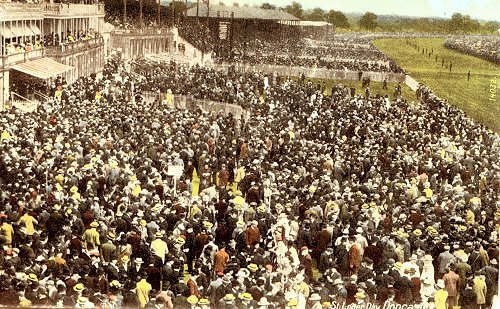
(23, 56)
(73, 9)
(23, 104)
(40, 96)
(73, 47)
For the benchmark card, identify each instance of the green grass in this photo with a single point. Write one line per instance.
(472, 96)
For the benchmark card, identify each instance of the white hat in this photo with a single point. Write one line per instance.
(315, 296)
(338, 281)
(263, 302)
(138, 260)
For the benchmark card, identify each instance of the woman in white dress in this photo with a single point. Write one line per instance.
(427, 269)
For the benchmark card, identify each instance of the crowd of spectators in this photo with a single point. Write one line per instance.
(115, 17)
(282, 47)
(484, 47)
(198, 35)
(316, 201)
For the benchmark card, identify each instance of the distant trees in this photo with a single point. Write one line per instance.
(268, 6)
(368, 21)
(337, 19)
(295, 9)
(458, 23)
(462, 23)
(316, 14)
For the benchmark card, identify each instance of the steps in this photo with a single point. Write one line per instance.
(23, 104)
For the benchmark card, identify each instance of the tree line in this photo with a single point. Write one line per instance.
(458, 23)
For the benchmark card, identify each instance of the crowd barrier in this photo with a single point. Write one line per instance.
(410, 82)
(310, 72)
(190, 103)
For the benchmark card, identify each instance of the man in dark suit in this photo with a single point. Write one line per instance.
(322, 240)
(468, 299)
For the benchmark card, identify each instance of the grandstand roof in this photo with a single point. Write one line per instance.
(241, 12)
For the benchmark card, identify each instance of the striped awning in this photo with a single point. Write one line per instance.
(6, 32)
(35, 29)
(20, 30)
(43, 68)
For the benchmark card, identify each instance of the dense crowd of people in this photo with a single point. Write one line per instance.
(198, 35)
(315, 201)
(484, 47)
(149, 20)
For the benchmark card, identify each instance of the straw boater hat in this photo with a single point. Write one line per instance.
(246, 296)
(229, 297)
(78, 287)
(192, 299)
(253, 267)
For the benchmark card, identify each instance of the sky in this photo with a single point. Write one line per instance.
(477, 9)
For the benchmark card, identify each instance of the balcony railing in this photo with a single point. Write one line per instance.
(71, 9)
(74, 47)
(17, 10)
(13, 59)
(143, 31)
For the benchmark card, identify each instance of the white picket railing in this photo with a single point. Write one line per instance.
(23, 104)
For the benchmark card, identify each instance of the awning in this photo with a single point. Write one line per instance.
(21, 30)
(35, 29)
(43, 68)
(6, 32)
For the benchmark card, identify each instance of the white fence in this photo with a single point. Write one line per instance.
(190, 103)
(311, 72)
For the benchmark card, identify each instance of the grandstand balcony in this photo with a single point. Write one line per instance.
(21, 11)
(86, 56)
(73, 10)
(73, 47)
(8, 61)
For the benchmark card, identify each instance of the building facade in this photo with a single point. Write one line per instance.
(40, 41)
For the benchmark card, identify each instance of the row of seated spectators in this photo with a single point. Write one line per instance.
(148, 20)
(484, 47)
(53, 39)
(114, 15)
(198, 35)
(20, 47)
